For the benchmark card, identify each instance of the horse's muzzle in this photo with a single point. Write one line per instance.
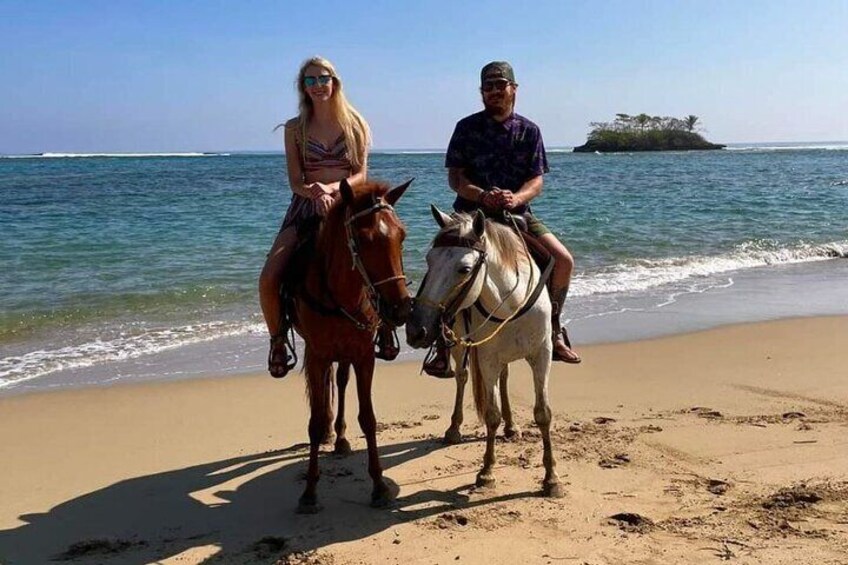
(397, 313)
(417, 337)
(419, 332)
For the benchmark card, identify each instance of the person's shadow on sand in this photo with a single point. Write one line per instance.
(159, 516)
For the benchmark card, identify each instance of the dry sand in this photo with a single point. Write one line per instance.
(724, 445)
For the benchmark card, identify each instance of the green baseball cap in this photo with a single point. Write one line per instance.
(497, 70)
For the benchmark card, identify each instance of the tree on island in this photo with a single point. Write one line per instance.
(690, 122)
(642, 132)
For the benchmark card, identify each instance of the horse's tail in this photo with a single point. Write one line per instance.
(477, 388)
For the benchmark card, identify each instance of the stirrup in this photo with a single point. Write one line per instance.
(437, 362)
(388, 345)
(277, 368)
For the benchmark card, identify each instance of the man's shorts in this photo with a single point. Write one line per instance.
(535, 226)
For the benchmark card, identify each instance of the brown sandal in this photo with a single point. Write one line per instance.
(280, 361)
(388, 346)
(437, 363)
(562, 349)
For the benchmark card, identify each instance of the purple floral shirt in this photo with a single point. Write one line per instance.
(504, 154)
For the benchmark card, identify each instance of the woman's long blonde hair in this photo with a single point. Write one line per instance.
(356, 132)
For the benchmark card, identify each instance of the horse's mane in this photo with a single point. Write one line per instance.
(503, 246)
(334, 221)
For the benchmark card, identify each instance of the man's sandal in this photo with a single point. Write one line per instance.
(562, 349)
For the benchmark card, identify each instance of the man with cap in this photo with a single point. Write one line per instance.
(495, 160)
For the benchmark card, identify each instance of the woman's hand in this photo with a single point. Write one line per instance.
(323, 204)
(318, 189)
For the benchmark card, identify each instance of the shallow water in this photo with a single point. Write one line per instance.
(125, 259)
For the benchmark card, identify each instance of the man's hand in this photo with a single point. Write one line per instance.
(499, 199)
(509, 200)
(490, 201)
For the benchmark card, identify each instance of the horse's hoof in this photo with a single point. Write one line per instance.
(381, 497)
(553, 490)
(485, 481)
(452, 436)
(342, 447)
(308, 505)
(512, 434)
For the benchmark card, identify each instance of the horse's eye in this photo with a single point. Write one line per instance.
(464, 270)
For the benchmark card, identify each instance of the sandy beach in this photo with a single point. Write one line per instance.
(723, 445)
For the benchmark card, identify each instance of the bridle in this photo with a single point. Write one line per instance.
(353, 246)
(449, 305)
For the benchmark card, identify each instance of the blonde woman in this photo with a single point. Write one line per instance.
(325, 143)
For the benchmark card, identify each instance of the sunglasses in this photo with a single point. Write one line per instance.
(499, 85)
(323, 80)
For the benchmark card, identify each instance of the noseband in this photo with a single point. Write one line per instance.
(449, 306)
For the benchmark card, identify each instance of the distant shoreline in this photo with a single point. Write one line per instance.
(731, 146)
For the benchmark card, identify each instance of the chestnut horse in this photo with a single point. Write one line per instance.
(353, 282)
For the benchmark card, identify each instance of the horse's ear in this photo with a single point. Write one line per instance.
(347, 192)
(479, 224)
(395, 193)
(441, 218)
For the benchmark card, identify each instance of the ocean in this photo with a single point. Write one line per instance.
(132, 267)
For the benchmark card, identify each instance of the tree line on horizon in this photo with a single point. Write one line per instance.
(643, 132)
(643, 122)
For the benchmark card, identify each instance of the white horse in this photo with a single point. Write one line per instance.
(481, 278)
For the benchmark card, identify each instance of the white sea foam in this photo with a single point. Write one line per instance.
(637, 275)
(15, 370)
(408, 151)
(131, 155)
(840, 146)
(687, 274)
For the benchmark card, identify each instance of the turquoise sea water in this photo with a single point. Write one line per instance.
(105, 259)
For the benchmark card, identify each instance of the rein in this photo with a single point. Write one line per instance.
(450, 305)
(353, 245)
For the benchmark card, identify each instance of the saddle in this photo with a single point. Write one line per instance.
(291, 286)
(537, 250)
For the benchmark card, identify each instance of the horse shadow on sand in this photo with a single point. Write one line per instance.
(231, 504)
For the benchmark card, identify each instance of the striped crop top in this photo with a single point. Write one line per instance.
(317, 157)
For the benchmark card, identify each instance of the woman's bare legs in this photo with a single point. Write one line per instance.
(269, 297)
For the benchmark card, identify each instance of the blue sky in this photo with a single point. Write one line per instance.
(207, 76)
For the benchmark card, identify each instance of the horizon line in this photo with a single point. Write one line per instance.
(373, 150)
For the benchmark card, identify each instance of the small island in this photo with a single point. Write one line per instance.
(645, 133)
